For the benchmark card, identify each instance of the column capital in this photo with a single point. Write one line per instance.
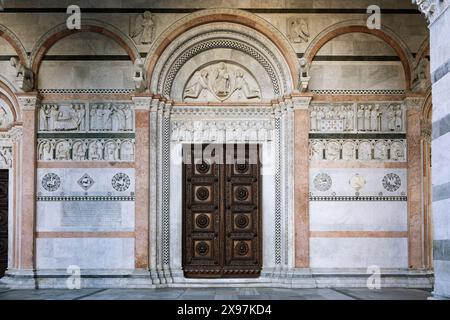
(142, 102)
(414, 103)
(301, 102)
(28, 101)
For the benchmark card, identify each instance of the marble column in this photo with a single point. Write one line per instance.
(301, 180)
(438, 15)
(25, 232)
(142, 105)
(415, 212)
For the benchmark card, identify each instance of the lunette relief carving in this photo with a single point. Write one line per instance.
(221, 81)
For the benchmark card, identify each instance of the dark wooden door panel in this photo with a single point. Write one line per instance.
(3, 221)
(221, 212)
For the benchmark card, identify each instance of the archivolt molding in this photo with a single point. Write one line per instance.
(214, 20)
(15, 42)
(87, 25)
(359, 26)
(7, 95)
(221, 36)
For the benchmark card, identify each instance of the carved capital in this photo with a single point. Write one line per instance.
(142, 103)
(414, 103)
(28, 102)
(301, 103)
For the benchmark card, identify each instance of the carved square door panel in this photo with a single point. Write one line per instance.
(221, 215)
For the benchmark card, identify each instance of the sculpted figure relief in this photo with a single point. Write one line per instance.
(142, 29)
(222, 81)
(112, 117)
(85, 149)
(382, 117)
(298, 30)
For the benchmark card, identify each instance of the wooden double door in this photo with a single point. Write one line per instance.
(221, 211)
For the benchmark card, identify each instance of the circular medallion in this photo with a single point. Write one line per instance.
(51, 182)
(241, 221)
(202, 248)
(241, 248)
(241, 193)
(202, 221)
(322, 182)
(121, 182)
(357, 182)
(391, 182)
(202, 167)
(202, 193)
(242, 167)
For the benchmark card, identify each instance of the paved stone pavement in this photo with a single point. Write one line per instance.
(216, 294)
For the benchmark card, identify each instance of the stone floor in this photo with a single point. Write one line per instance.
(216, 294)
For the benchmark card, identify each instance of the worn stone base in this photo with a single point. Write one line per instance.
(288, 278)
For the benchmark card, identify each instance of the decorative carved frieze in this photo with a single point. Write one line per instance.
(357, 149)
(80, 117)
(220, 82)
(355, 118)
(85, 150)
(222, 130)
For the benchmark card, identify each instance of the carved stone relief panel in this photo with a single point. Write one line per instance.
(5, 157)
(357, 149)
(357, 118)
(298, 30)
(86, 149)
(222, 130)
(81, 117)
(5, 117)
(222, 82)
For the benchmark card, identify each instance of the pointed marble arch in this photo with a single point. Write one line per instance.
(359, 26)
(14, 41)
(226, 16)
(60, 31)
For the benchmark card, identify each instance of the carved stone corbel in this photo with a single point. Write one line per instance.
(24, 77)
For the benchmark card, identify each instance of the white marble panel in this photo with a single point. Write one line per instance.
(69, 178)
(53, 216)
(373, 178)
(358, 215)
(359, 252)
(87, 253)
(86, 75)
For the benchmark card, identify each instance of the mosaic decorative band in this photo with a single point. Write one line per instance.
(358, 92)
(85, 198)
(91, 91)
(358, 198)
